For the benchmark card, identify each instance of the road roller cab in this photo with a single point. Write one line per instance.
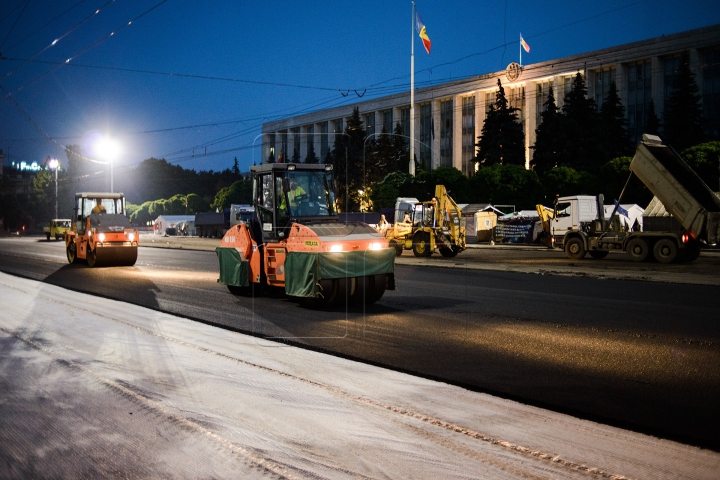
(101, 232)
(296, 242)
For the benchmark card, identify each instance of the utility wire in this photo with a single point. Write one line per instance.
(15, 23)
(44, 26)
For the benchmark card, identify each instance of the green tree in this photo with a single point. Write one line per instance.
(346, 157)
(239, 192)
(562, 181)
(502, 140)
(705, 160)
(506, 185)
(653, 122)
(401, 152)
(548, 151)
(311, 157)
(615, 137)
(614, 177)
(581, 128)
(683, 110)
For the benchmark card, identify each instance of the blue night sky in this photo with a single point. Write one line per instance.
(204, 75)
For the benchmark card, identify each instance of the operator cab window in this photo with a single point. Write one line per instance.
(563, 210)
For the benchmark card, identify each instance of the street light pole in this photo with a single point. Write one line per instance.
(55, 164)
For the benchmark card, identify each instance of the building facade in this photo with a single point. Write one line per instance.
(449, 117)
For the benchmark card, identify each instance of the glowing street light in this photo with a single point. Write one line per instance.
(54, 164)
(107, 149)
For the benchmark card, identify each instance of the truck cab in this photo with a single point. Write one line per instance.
(571, 213)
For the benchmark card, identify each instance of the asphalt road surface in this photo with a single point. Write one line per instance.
(636, 354)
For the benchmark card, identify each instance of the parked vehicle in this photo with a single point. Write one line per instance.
(57, 228)
(212, 224)
(578, 223)
(426, 226)
(296, 243)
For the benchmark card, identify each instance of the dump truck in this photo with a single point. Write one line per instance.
(57, 228)
(427, 226)
(295, 242)
(578, 225)
(101, 233)
(211, 224)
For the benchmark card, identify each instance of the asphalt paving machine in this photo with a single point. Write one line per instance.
(296, 243)
(101, 233)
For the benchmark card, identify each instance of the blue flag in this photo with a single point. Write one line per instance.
(621, 210)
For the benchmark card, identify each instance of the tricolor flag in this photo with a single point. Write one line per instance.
(524, 44)
(420, 27)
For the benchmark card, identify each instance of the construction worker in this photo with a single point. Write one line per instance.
(99, 207)
(295, 195)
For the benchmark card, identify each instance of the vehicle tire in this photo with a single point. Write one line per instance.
(598, 254)
(370, 289)
(91, 258)
(57, 237)
(398, 248)
(665, 250)
(575, 248)
(48, 236)
(421, 244)
(637, 249)
(239, 291)
(449, 252)
(71, 252)
(690, 253)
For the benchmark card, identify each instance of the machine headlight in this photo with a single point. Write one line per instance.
(335, 248)
(375, 246)
(101, 237)
(131, 236)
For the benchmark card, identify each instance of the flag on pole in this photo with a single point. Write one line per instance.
(524, 44)
(422, 31)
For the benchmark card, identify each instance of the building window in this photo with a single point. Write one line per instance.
(309, 139)
(271, 148)
(405, 121)
(324, 141)
(370, 124)
(516, 99)
(282, 156)
(490, 98)
(296, 144)
(639, 96)
(711, 92)
(338, 128)
(387, 121)
(446, 133)
(542, 92)
(603, 79)
(468, 135)
(426, 134)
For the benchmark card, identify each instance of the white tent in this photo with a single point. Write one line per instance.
(173, 221)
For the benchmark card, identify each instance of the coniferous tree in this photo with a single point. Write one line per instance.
(581, 127)
(653, 122)
(615, 138)
(502, 140)
(311, 157)
(295, 156)
(236, 167)
(548, 148)
(683, 110)
(346, 157)
(401, 152)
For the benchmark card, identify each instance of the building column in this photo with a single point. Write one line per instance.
(658, 85)
(530, 120)
(457, 132)
(435, 136)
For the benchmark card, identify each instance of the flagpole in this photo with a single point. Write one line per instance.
(411, 164)
(521, 47)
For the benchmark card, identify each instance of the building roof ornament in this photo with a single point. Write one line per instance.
(513, 71)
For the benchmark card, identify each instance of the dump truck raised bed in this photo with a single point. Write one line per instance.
(577, 223)
(101, 233)
(296, 243)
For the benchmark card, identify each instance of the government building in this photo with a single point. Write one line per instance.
(449, 116)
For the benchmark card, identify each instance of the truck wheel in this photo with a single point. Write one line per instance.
(690, 254)
(575, 248)
(637, 249)
(665, 250)
(449, 252)
(421, 244)
(48, 237)
(598, 254)
(398, 248)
